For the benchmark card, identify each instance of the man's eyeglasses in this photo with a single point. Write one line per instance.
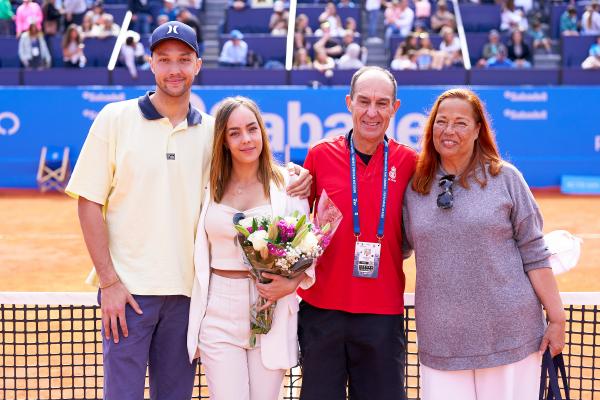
(445, 200)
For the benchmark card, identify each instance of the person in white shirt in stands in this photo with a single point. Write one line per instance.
(450, 46)
(105, 27)
(590, 20)
(133, 54)
(373, 8)
(399, 19)
(235, 51)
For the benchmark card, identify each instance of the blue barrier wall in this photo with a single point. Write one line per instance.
(543, 130)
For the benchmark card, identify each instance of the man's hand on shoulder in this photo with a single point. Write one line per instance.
(301, 186)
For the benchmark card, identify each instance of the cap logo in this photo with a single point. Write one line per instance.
(173, 29)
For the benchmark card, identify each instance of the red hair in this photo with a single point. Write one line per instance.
(485, 150)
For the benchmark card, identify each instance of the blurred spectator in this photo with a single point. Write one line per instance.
(191, 4)
(105, 27)
(185, 16)
(450, 47)
(6, 18)
(410, 43)
(512, 18)
(141, 21)
(33, 50)
(52, 18)
(373, 8)
(279, 15)
(590, 20)
(491, 48)
(323, 62)
(237, 4)
(302, 30)
(346, 4)
(331, 16)
(593, 59)
(162, 19)
(569, 26)
(327, 43)
(28, 13)
(169, 9)
(97, 11)
(525, 5)
(235, 51)
(351, 25)
(301, 59)
(422, 12)
(351, 58)
(518, 51)
(280, 29)
(442, 17)
(72, 48)
(133, 54)
(74, 11)
(399, 19)
(500, 60)
(87, 25)
(427, 56)
(539, 37)
(404, 61)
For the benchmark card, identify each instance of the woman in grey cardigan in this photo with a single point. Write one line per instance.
(482, 263)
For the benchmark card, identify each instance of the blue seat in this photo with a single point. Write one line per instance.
(66, 76)
(575, 49)
(480, 17)
(98, 51)
(509, 76)
(118, 11)
(242, 76)
(248, 20)
(9, 52)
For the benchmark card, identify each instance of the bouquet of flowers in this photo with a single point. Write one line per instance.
(285, 246)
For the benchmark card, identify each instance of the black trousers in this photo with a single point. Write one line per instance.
(366, 352)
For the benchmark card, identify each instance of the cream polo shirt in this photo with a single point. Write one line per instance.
(150, 178)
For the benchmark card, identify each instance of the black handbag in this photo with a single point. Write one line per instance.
(550, 370)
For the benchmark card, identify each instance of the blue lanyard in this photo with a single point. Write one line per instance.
(384, 190)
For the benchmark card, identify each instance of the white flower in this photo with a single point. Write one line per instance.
(258, 240)
(308, 244)
(291, 220)
(246, 222)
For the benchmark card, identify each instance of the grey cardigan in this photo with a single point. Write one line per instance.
(25, 49)
(475, 305)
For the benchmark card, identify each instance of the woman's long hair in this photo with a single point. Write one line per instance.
(221, 164)
(66, 40)
(485, 150)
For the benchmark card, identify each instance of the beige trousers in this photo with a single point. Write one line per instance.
(516, 381)
(234, 371)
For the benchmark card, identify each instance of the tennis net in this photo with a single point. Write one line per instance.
(50, 348)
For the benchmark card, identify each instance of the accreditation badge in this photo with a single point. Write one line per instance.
(366, 259)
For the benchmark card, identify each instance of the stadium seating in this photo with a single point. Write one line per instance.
(574, 49)
(395, 41)
(482, 76)
(66, 76)
(555, 12)
(9, 51)
(267, 46)
(480, 17)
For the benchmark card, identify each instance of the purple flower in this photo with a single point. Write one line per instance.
(276, 251)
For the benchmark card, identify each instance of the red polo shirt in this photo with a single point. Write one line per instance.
(335, 288)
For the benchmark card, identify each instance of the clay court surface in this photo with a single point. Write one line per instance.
(42, 249)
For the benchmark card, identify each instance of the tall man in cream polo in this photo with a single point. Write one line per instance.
(139, 179)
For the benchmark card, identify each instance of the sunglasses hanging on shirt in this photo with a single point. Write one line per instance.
(445, 200)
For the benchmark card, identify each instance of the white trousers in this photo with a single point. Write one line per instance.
(234, 371)
(516, 381)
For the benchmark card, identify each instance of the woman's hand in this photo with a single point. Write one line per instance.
(279, 287)
(554, 337)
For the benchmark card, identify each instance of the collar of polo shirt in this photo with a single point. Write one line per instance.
(149, 111)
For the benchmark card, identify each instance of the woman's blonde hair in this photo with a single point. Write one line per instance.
(485, 150)
(221, 164)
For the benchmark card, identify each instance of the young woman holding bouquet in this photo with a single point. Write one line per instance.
(244, 178)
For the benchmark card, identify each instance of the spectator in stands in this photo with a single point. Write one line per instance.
(33, 51)
(302, 30)
(162, 19)
(280, 15)
(422, 12)
(105, 27)
(442, 17)
(499, 60)
(539, 37)
(351, 58)
(87, 25)
(133, 54)
(593, 59)
(28, 13)
(301, 59)
(74, 11)
(491, 48)
(331, 16)
(427, 56)
(237, 5)
(450, 47)
(404, 61)
(569, 25)
(6, 18)
(72, 48)
(346, 4)
(97, 11)
(192, 21)
(170, 9)
(52, 18)
(350, 25)
(518, 51)
(323, 62)
(512, 18)
(280, 29)
(327, 43)
(590, 20)
(399, 20)
(141, 21)
(189, 4)
(373, 8)
(235, 51)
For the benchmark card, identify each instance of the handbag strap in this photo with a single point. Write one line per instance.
(550, 369)
(559, 365)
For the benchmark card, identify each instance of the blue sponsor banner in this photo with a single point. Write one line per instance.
(546, 132)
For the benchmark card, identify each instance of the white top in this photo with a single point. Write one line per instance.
(225, 251)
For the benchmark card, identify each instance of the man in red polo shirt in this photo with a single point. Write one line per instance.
(351, 320)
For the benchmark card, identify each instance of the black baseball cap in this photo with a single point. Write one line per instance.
(174, 30)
